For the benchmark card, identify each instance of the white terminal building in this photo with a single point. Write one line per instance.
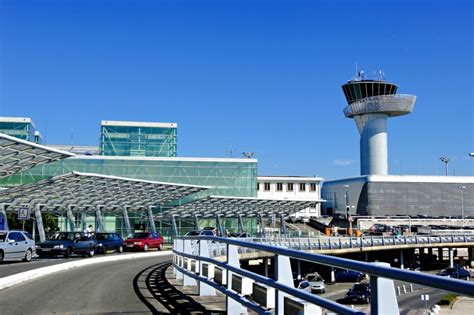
(292, 188)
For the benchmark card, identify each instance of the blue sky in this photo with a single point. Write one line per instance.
(259, 76)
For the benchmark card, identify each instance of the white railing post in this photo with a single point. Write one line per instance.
(205, 289)
(383, 299)
(179, 259)
(233, 306)
(187, 280)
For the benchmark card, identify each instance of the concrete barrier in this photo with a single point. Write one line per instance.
(29, 275)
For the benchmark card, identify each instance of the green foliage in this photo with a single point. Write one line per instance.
(448, 299)
(50, 222)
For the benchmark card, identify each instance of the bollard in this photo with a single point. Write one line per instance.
(404, 289)
(399, 291)
(411, 287)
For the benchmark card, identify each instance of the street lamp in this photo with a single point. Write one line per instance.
(462, 203)
(348, 209)
(445, 160)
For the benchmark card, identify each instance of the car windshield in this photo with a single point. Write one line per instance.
(64, 236)
(304, 284)
(3, 236)
(141, 235)
(101, 237)
(314, 278)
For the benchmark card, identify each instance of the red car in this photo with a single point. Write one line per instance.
(144, 241)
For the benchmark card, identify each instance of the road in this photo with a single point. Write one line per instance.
(115, 287)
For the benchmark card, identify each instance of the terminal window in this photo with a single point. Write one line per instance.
(266, 187)
(279, 187)
(312, 187)
(258, 186)
(289, 187)
(302, 187)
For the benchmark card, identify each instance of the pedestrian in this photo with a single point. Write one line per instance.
(88, 231)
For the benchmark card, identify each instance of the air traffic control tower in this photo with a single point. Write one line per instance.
(370, 103)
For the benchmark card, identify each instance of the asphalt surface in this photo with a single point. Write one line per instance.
(101, 288)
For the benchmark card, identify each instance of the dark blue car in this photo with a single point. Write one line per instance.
(360, 293)
(457, 272)
(67, 243)
(108, 241)
(343, 275)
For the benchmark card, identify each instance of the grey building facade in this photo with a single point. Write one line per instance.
(403, 195)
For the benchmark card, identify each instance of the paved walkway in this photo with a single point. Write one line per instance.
(462, 305)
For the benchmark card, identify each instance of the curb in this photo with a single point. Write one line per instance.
(29, 275)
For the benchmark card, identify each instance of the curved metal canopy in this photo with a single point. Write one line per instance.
(17, 155)
(235, 206)
(83, 191)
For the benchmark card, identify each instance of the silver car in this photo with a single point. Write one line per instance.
(16, 245)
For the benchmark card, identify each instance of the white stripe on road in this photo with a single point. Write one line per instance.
(29, 275)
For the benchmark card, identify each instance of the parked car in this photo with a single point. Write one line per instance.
(67, 243)
(200, 233)
(457, 272)
(360, 292)
(85, 245)
(16, 245)
(237, 234)
(304, 285)
(343, 275)
(316, 282)
(108, 241)
(144, 241)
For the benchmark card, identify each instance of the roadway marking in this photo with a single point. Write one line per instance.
(22, 277)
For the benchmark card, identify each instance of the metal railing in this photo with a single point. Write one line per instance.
(202, 251)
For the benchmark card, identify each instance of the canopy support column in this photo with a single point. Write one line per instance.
(70, 219)
(261, 226)
(241, 224)
(99, 221)
(126, 220)
(220, 228)
(151, 219)
(3, 212)
(174, 228)
(84, 220)
(39, 223)
(282, 225)
(196, 222)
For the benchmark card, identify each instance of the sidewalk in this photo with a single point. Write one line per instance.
(463, 305)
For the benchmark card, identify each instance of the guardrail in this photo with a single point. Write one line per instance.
(195, 262)
(325, 243)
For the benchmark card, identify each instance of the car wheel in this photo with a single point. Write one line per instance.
(68, 252)
(120, 249)
(28, 256)
(159, 246)
(2, 256)
(104, 249)
(91, 252)
(145, 248)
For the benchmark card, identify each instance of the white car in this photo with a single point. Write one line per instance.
(16, 245)
(316, 282)
(304, 286)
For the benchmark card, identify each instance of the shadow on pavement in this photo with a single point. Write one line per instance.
(151, 286)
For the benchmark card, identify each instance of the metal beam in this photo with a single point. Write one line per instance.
(39, 223)
(241, 224)
(219, 226)
(174, 228)
(126, 220)
(3, 212)
(151, 219)
(99, 221)
(70, 219)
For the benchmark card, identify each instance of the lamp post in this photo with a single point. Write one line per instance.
(462, 203)
(348, 209)
(445, 160)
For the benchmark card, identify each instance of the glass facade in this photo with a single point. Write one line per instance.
(156, 140)
(21, 128)
(228, 178)
(357, 90)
